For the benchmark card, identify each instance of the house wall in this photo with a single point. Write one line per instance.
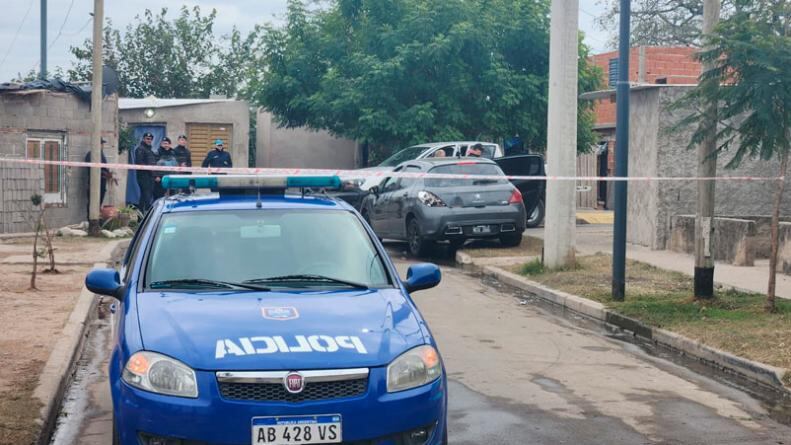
(660, 149)
(176, 119)
(301, 148)
(642, 199)
(22, 114)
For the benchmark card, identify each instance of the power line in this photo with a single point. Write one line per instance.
(21, 24)
(60, 31)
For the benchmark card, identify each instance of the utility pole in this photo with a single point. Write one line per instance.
(561, 205)
(707, 167)
(96, 113)
(43, 71)
(621, 155)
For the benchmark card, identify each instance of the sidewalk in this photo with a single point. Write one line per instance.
(595, 238)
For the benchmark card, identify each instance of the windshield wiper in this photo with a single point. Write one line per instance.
(306, 277)
(201, 282)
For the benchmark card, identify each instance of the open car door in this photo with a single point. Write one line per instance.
(533, 190)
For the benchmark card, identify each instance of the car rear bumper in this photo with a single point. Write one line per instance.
(373, 418)
(448, 223)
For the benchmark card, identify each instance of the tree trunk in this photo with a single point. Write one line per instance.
(35, 252)
(770, 293)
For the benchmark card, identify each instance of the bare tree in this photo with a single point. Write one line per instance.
(36, 217)
(660, 22)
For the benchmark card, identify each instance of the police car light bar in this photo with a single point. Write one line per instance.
(249, 182)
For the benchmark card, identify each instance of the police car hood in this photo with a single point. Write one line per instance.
(279, 331)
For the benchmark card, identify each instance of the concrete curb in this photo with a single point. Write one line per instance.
(59, 368)
(755, 372)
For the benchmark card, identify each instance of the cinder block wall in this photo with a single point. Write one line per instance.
(17, 184)
(44, 111)
(657, 148)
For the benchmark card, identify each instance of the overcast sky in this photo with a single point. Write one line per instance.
(19, 25)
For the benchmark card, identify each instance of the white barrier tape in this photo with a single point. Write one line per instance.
(382, 174)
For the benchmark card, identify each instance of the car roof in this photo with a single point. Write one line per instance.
(214, 201)
(438, 144)
(433, 162)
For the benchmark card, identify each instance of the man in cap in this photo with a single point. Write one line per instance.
(166, 157)
(218, 158)
(144, 155)
(183, 155)
(105, 176)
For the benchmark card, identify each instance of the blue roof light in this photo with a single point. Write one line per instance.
(249, 182)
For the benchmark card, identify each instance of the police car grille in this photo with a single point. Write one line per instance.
(276, 392)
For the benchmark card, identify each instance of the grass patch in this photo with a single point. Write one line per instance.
(733, 321)
(530, 246)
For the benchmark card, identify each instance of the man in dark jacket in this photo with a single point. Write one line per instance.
(166, 157)
(144, 155)
(218, 157)
(106, 175)
(183, 155)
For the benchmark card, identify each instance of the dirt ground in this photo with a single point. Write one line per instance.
(30, 324)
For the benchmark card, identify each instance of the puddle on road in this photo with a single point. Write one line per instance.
(77, 407)
(776, 403)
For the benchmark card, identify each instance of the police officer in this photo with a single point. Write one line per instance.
(183, 154)
(166, 157)
(144, 155)
(218, 157)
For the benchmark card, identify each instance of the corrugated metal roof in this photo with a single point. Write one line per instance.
(127, 103)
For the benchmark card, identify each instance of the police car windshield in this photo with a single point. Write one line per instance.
(240, 246)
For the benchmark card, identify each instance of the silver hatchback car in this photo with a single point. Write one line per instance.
(422, 211)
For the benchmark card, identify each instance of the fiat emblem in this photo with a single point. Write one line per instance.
(294, 382)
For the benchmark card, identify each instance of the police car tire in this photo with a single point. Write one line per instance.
(116, 437)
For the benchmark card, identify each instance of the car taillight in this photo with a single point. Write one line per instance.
(429, 199)
(516, 197)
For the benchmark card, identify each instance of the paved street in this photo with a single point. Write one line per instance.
(520, 375)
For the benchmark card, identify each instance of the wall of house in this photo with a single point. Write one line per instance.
(301, 148)
(661, 149)
(643, 195)
(30, 113)
(176, 119)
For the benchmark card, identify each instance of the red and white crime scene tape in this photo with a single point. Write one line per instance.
(361, 174)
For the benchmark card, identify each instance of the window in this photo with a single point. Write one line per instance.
(50, 148)
(406, 154)
(407, 182)
(613, 73)
(239, 245)
(465, 168)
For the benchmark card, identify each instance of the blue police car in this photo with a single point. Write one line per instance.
(255, 316)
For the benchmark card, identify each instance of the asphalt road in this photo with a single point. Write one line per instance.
(519, 375)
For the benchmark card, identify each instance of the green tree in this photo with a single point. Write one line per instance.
(751, 55)
(170, 58)
(407, 71)
(659, 22)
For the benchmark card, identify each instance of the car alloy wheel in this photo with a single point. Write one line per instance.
(417, 246)
(536, 217)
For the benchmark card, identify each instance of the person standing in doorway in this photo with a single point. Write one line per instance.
(218, 158)
(105, 176)
(144, 155)
(166, 157)
(183, 154)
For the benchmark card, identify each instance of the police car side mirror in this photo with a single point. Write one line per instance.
(375, 190)
(104, 281)
(422, 276)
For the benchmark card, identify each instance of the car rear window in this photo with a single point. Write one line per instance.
(465, 168)
(239, 245)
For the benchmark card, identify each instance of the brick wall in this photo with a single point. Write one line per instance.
(17, 184)
(671, 65)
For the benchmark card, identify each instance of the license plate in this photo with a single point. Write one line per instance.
(481, 229)
(285, 430)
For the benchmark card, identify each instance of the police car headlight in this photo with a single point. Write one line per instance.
(160, 374)
(416, 367)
